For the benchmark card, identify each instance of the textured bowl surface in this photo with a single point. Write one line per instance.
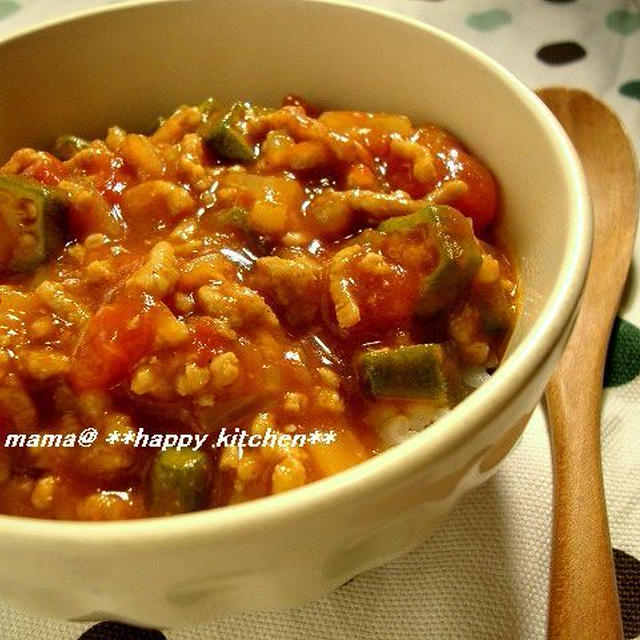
(129, 63)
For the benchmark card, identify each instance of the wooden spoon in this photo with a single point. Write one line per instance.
(583, 595)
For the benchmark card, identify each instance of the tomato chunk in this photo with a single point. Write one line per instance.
(480, 203)
(206, 339)
(117, 337)
(452, 162)
(47, 169)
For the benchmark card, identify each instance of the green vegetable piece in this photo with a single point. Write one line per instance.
(234, 217)
(226, 137)
(496, 309)
(179, 482)
(235, 220)
(209, 106)
(426, 216)
(31, 223)
(416, 371)
(66, 146)
(459, 255)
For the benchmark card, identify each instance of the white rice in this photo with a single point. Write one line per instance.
(474, 376)
(397, 420)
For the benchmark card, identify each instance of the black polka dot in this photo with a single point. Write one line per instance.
(117, 631)
(561, 52)
(628, 579)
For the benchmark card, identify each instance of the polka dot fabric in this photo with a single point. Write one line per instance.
(483, 574)
(623, 357)
(117, 631)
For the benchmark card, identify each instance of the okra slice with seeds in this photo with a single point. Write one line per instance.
(459, 254)
(31, 223)
(179, 482)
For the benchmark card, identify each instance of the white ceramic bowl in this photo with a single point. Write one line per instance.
(130, 63)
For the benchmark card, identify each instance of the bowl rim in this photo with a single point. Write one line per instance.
(446, 434)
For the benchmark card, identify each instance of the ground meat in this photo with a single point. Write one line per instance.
(159, 274)
(235, 303)
(294, 284)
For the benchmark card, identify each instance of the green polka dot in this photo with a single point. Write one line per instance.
(623, 357)
(489, 20)
(623, 22)
(8, 8)
(631, 89)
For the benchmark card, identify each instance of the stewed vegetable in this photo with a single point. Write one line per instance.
(226, 137)
(179, 482)
(66, 146)
(31, 223)
(416, 371)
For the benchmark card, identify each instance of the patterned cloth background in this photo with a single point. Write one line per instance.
(484, 572)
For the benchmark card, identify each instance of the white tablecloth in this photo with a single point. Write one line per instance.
(484, 572)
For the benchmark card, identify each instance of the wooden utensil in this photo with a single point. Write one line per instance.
(583, 596)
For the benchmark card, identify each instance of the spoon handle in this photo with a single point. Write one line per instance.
(583, 595)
